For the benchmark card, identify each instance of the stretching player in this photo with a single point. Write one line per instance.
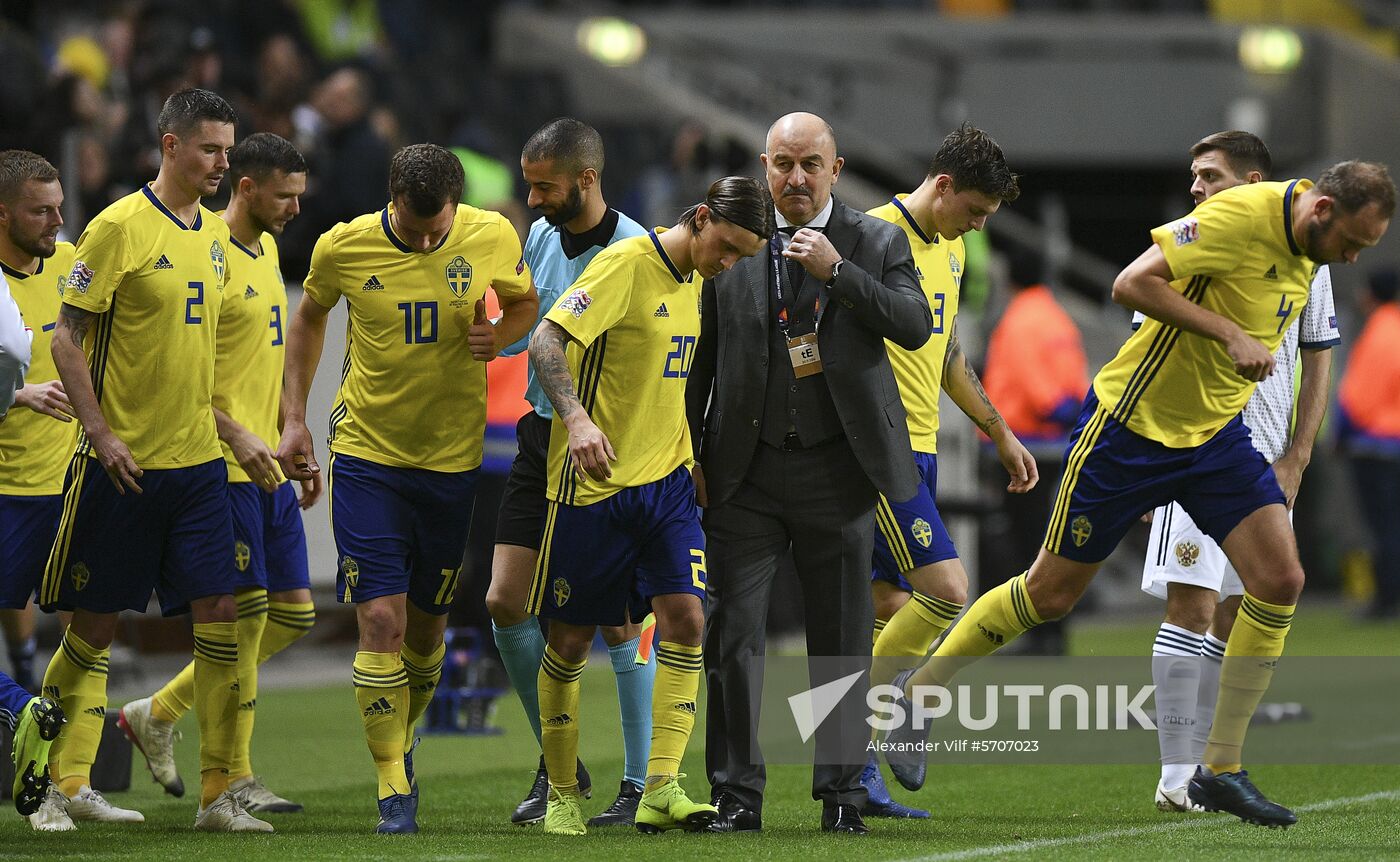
(1184, 565)
(407, 429)
(1219, 288)
(268, 555)
(914, 556)
(622, 531)
(563, 164)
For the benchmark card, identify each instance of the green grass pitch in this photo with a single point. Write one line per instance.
(309, 747)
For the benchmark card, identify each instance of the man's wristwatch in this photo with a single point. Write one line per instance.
(835, 271)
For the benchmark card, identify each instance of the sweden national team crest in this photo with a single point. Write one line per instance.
(923, 533)
(1080, 529)
(562, 591)
(459, 276)
(216, 257)
(80, 576)
(1187, 553)
(955, 267)
(351, 570)
(242, 556)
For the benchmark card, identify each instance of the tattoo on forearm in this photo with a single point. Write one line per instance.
(951, 361)
(552, 369)
(78, 321)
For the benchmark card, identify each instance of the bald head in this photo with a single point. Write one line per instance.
(801, 165)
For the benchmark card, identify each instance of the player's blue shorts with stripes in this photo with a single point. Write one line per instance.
(1113, 476)
(911, 534)
(602, 564)
(399, 530)
(27, 528)
(113, 549)
(269, 541)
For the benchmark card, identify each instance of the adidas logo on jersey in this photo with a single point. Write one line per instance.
(687, 706)
(164, 263)
(661, 311)
(249, 293)
(96, 710)
(1272, 273)
(51, 691)
(380, 707)
(373, 284)
(563, 719)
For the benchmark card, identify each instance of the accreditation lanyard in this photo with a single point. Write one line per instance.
(803, 350)
(775, 254)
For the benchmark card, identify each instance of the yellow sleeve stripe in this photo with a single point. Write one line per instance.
(1090, 436)
(542, 562)
(889, 528)
(58, 556)
(1156, 356)
(590, 373)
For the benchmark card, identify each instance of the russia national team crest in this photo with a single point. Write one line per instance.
(459, 276)
(351, 570)
(216, 257)
(80, 575)
(1080, 529)
(1187, 553)
(922, 531)
(562, 592)
(242, 555)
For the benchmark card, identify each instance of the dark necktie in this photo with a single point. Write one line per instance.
(795, 272)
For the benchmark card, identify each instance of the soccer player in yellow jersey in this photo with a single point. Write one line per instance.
(622, 531)
(268, 554)
(407, 428)
(1219, 288)
(967, 181)
(34, 451)
(145, 504)
(36, 443)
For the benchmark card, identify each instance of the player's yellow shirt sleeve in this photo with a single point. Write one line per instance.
(1208, 241)
(510, 281)
(597, 301)
(103, 262)
(322, 283)
(35, 449)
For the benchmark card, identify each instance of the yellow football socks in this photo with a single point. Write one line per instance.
(559, 689)
(910, 633)
(252, 620)
(215, 703)
(381, 689)
(423, 671)
(286, 622)
(1256, 642)
(678, 668)
(1001, 615)
(77, 679)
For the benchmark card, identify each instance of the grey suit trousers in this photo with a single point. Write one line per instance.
(819, 503)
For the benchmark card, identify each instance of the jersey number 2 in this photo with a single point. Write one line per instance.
(194, 303)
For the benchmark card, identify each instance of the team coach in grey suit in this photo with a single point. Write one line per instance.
(792, 448)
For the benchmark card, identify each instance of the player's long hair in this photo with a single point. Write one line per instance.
(741, 201)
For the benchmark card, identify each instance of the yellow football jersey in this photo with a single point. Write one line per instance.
(1237, 256)
(35, 449)
(634, 319)
(938, 262)
(248, 351)
(158, 285)
(411, 395)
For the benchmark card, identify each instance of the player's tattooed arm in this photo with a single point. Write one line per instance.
(552, 367)
(963, 385)
(77, 321)
(71, 362)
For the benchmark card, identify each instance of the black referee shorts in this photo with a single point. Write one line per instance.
(521, 519)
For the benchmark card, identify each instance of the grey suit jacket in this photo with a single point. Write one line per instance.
(875, 297)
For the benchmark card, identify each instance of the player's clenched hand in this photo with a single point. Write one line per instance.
(1019, 464)
(116, 459)
(46, 398)
(589, 447)
(481, 335)
(311, 491)
(295, 452)
(257, 460)
(1253, 361)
